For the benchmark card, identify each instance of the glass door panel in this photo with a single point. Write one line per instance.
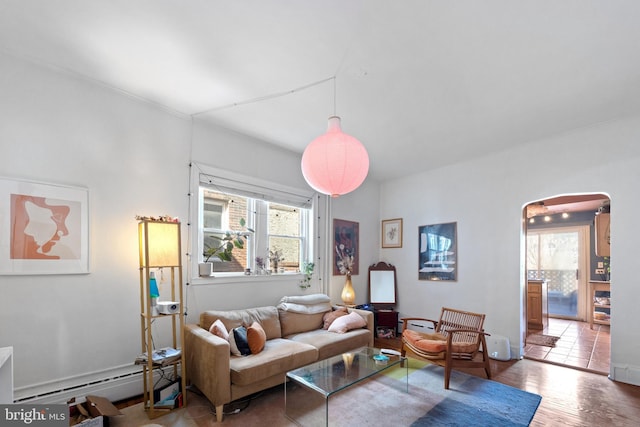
(557, 255)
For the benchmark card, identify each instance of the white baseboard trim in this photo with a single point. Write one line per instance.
(625, 374)
(114, 384)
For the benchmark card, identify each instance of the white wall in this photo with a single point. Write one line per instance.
(134, 158)
(486, 196)
(58, 129)
(360, 206)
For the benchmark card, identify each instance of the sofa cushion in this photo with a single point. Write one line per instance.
(256, 338)
(278, 357)
(266, 316)
(433, 343)
(331, 344)
(330, 316)
(345, 323)
(238, 341)
(292, 323)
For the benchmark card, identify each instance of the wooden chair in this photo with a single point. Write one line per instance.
(457, 339)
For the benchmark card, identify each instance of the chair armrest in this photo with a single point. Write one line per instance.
(368, 317)
(480, 341)
(405, 322)
(473, 331)
(207, 363)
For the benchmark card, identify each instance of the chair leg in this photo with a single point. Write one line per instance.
(447, 375)
(219, 413)
(485, 357)
(487, 365)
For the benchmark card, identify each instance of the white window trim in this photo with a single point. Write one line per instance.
(260, 189)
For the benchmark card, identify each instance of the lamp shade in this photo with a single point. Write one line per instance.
(159, 243)
(335, 163)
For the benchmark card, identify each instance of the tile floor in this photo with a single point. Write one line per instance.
(578, 346)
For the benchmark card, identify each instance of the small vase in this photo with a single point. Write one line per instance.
(348, 294)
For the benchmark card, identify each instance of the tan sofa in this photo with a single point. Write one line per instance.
(295, 338)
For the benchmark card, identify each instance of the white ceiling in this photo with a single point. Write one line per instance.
(422, 83)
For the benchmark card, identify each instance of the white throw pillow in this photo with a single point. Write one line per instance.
(345, 323)
(218, 328)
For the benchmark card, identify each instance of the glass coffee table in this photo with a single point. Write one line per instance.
(309, 390)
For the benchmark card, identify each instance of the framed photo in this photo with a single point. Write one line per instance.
(438, 252)
(345, 247)
(44, 228)
(392, 233)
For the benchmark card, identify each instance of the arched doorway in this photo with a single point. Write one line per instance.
(561, 268)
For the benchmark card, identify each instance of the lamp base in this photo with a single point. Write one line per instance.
(348, 293)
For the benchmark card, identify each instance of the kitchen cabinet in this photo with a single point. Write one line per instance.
(603, 234)
(600, 303)
(537, 305)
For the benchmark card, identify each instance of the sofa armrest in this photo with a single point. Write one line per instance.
(368, 317)
(207, 363)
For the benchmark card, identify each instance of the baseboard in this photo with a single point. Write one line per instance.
(625, 374)
(115, 384)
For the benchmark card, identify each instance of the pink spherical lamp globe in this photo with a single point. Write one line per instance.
(335, 163)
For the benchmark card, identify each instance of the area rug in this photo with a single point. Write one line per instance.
(381, 400)
(541, 339)
(474, 401)
(469, 401)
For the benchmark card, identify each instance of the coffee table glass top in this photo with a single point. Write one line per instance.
(338, 372)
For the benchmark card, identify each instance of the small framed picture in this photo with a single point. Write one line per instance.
(392, 233)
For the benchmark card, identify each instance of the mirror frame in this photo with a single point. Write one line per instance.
(383, 266)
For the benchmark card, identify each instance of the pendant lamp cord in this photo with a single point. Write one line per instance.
(272, 96)
(334, 95)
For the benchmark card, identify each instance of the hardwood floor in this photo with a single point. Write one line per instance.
(571, 396)
(571, 378)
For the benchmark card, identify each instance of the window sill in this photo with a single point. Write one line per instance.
(223, 278)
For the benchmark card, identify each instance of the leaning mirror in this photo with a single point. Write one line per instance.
(382, 284)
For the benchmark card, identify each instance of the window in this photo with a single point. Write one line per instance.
(222, 213)
(285, 225)
(278, 223)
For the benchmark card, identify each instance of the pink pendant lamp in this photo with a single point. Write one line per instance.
(335, 163)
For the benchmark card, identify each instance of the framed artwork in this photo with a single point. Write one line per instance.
(345, 247)
(438, 252)
(392, 233)
(44, 228)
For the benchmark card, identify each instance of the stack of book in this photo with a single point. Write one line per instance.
(161, 357)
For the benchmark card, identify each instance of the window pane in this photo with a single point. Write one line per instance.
(289, 249)
(221, 213)
(212, 215)
(284, 220)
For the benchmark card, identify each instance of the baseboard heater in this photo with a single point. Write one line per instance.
(113, 387)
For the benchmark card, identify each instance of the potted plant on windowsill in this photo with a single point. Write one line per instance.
(223, 252)
(307, 270)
